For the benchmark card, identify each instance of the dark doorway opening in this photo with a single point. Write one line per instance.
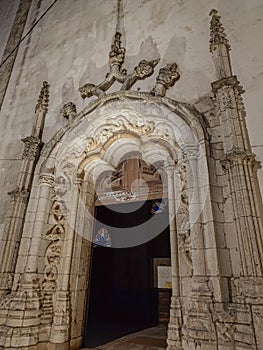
(122, 296)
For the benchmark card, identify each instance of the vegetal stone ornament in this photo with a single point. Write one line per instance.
(166, 79)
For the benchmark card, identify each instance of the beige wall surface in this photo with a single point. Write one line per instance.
(8, 10)
(70, 46)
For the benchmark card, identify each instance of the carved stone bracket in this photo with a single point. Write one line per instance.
(69, 111)
(227, 81)
(19, 194)
(237, 155)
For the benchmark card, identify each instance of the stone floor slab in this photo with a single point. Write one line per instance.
(148, 339)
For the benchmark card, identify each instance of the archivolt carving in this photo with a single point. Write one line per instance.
(165, 132)
(118, 125)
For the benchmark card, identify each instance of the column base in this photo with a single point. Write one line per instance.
(174, 333)
(20, 314)
(61, 321)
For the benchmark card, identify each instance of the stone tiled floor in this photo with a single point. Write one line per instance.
(148, 339)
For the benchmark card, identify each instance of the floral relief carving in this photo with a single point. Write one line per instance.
(225, 99)
(184, 234)
(248, 289)
(6, 281)
(119, 124)
(167, 77)
(53, 256)
(224, 321)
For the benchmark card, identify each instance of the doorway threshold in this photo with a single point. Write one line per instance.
(149, 339)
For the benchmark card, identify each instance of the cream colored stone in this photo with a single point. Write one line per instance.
(214, 209)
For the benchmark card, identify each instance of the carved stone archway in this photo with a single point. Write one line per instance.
(52, 287)
(68, 168)
(159, 134)
(58, 256)
(214, 210)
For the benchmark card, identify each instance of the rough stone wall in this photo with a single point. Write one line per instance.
(70, 46)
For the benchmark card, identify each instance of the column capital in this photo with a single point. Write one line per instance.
(190, 152)
(32, 145)
(77, 181)
(47, 179)
(169, 166)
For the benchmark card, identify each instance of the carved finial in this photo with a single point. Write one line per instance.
(117, 52)
(145, 68)
(116, 59)
(142, 71)
(219, 47)
(217, 31)
(69, 111)
(42, 103)
(167, 77)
